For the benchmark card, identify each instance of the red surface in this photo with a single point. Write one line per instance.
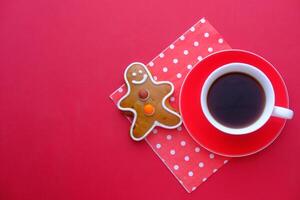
(204, 132)
(61, 136)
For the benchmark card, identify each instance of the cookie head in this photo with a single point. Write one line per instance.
(136, 74)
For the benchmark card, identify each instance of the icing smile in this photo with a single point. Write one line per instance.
(141, 81)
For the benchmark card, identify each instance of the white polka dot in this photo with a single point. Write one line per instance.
(133, 74)
(172, 152)
(202, 20)
(220, 40)
(215, 170)
(186, 158)
(199, 58)
(225, 161)
(197, 149)
(204, 179)
(196, 43)
(179, 75)
(161, 55)
(169, 137)
(210, 49)
(175, 60)
(155, 78)
(172, 46)
(191, 173)
(206, 35)
(194, 188)
(165, 69)
(211, 156)
(176, 167)
(120, 90)
(192, 29)
(185, 52)
(172, 99)
(201, 164)
(140, 71)
(182, 37)
(155, 131)
(189, 66)
(183, 143)
(151, 64)
(158, 146)
(179, 128)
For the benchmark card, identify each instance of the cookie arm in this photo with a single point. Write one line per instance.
(125, 103)
(166, 88)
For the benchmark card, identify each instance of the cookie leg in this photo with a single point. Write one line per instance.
(169, 119)
(141, 128)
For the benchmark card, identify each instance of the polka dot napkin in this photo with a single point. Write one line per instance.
(188, 162)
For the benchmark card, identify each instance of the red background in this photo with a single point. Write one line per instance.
(62, 138)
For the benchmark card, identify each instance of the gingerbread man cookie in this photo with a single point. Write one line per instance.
(147, 101)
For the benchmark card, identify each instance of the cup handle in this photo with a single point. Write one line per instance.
(281, 112)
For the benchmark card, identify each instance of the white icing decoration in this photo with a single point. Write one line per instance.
(133, 74)
(141, 81)
(140, 71)
(156, 123)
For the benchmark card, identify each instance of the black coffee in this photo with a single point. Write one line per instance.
(236, 100)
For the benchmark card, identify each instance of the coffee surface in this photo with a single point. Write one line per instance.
(236, 100)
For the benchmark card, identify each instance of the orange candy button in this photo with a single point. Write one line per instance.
(149, 109)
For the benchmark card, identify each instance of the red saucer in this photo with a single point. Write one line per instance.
(206, 134)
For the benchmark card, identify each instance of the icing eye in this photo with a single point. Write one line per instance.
(140, 71)
(133, 74)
